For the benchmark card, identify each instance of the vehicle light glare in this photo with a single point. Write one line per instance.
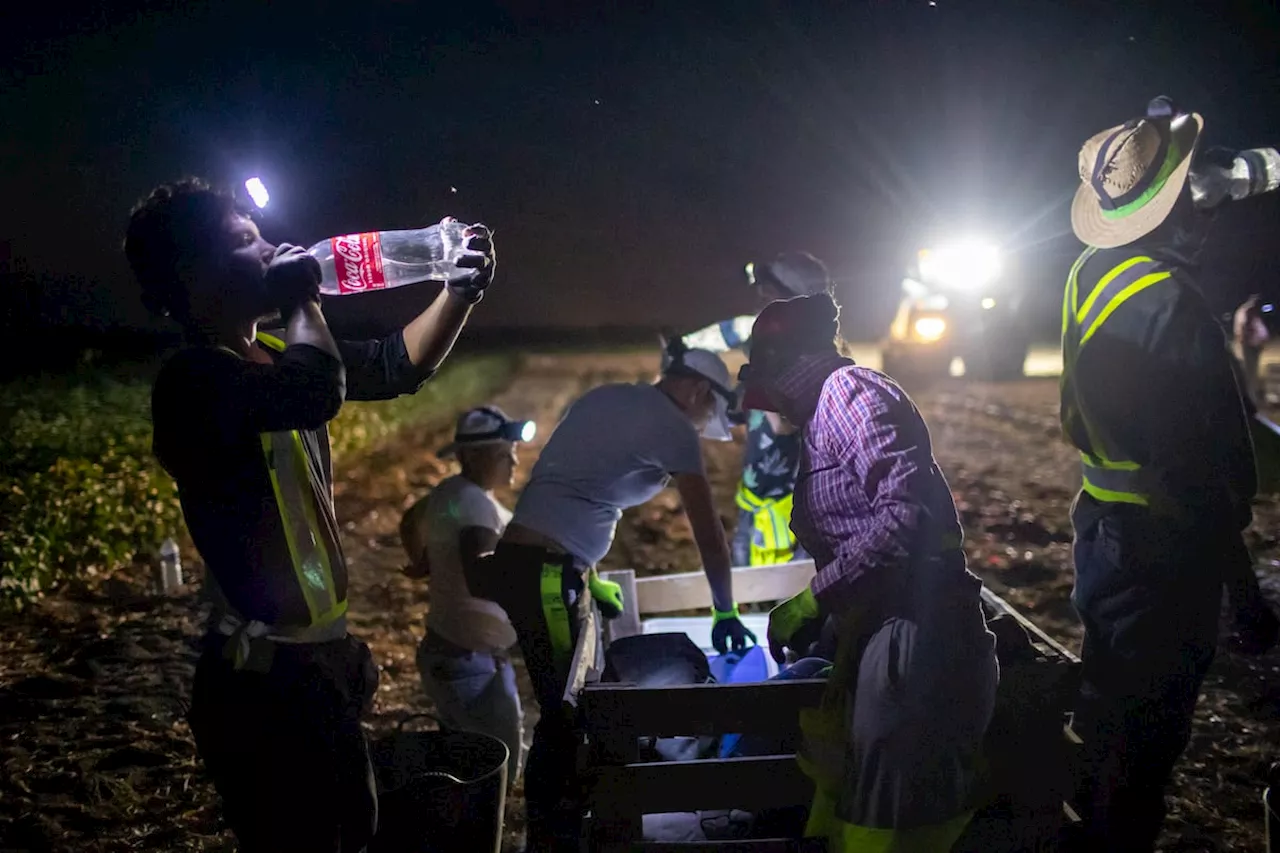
(988, 304)
(966, 264)
(930, 328)
(257, 191)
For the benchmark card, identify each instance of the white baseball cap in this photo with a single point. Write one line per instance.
(488, 425)
(706, 364)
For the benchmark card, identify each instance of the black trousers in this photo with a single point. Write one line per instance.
(285, 748)
(1149, 596)
(513, 578)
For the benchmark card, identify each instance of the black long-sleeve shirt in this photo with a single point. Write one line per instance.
(1158, 378)
(209, 410)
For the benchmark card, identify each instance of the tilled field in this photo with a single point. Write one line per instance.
(96, 754)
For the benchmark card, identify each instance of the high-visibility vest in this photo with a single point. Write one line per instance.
(772, 541)
(301, 497)
(1109, 475)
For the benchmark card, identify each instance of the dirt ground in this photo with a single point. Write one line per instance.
(96, 754)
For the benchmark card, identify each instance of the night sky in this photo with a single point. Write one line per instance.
(629, 161)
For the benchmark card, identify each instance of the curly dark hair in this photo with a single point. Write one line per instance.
(177, 223)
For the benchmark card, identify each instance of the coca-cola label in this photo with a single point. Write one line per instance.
(358, 260)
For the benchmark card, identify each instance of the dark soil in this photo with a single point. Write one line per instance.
(93, 681)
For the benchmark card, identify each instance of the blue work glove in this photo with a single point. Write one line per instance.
(477, 255)
(728, 631)
(606, 594)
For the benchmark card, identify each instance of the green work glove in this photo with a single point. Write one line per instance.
(727, 629)
(607, 595)
(793, 619)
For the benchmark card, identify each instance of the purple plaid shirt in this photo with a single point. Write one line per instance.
(870, 497)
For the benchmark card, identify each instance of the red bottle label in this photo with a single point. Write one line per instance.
(358, 259)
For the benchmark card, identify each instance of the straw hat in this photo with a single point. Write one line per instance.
(1133, 174)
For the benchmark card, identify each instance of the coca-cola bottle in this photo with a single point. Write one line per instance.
(378, 260)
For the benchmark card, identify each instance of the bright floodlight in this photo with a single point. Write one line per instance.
(967, 264)
(257, 191)
(930, 328)
(528, 431)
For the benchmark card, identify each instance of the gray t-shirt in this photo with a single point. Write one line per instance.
(615, 448)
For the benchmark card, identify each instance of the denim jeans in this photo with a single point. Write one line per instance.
(475, 692)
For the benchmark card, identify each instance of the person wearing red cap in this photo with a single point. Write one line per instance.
(893, 769)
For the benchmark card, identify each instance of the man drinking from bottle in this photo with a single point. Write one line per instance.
(240, 422)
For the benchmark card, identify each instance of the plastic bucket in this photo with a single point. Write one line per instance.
(439, 791)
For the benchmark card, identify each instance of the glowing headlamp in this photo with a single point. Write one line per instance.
(257, 192)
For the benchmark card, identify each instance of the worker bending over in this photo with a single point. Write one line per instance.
(1150, 401)
(771, 459)
(240, 423)
(463, 658)
(616, 447)
(893, 747)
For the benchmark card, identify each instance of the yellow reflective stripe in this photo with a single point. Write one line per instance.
(1113, 496)
(1095, 461)
(772, 519)
(1083, 310)
(271, 341)
(333, 608)
(554, 612)
(1070, 292)
(285, 455)
(1111, 481)
(1139, 285)
(747, 499)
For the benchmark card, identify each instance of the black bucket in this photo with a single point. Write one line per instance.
(439, 791)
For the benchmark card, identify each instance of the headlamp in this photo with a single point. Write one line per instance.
(257, 192)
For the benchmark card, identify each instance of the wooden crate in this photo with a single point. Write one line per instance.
(614, 718)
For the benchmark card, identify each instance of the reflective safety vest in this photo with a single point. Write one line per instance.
(1108, 474)
(301, 498)
(772, 541)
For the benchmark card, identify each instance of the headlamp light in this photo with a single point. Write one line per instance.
(518, 431)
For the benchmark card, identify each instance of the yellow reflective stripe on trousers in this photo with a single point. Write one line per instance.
(843, 837)
(554, 612)
(291, 482)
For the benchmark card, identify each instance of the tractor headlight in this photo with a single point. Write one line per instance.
(930, 328)
(967, 265)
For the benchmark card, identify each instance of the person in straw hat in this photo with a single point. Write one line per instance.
(1150, 401)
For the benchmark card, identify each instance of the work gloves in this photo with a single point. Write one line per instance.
(606, 594)
(292, 279)
(727, 631)
(479, 256)
(794, 624)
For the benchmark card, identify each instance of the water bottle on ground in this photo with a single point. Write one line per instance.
(170, 566)
(1248, 173)
(378, 260)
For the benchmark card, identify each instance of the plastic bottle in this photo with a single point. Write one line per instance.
(1251, 173)
(378, 260)
(170, 566)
